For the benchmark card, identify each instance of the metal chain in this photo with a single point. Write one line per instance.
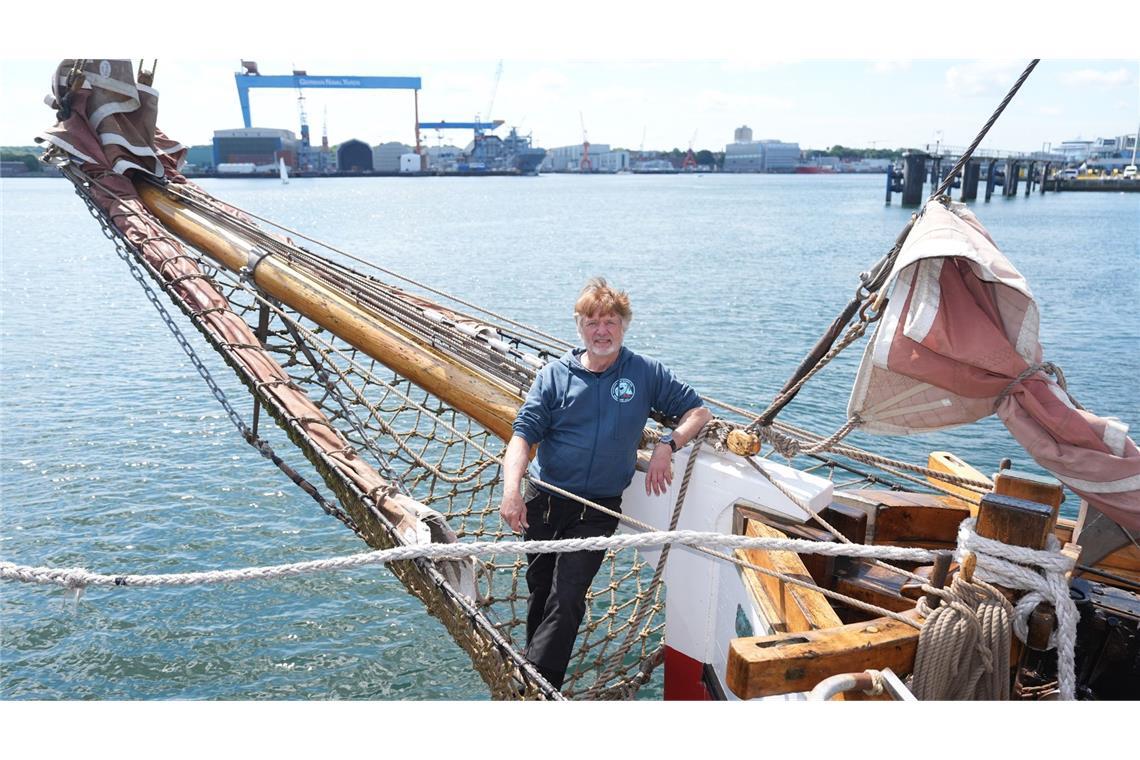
(135, 262)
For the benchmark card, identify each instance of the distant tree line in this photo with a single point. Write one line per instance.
(29, 157)
(844, 153)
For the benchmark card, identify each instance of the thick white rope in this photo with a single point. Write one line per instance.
(80, 578)
(1042, 574)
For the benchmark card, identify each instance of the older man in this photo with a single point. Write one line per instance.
(586, 412)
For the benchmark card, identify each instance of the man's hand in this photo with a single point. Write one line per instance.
(660, 475)
(513, 512)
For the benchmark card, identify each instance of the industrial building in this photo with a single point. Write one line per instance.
(386, 157)
(258, 146)
(748, 155)
(569, 159)
(354, 156)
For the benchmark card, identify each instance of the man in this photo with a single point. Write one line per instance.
(586, 411)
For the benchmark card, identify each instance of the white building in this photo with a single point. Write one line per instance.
(569, 158)
(760, 155)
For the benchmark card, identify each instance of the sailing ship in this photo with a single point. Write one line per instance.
(403, 401)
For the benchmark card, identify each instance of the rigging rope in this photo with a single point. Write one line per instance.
(80, 578)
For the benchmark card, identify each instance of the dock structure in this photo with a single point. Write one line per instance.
(1002, 169)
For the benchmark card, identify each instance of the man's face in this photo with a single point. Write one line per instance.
(601, 333)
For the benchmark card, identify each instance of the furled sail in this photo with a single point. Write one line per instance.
(958, 341)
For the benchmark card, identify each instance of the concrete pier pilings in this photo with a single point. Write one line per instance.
(970, 174)
(1009, 186)
(991, 177)
(914, 169)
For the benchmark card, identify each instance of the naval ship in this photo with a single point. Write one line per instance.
(495, 155)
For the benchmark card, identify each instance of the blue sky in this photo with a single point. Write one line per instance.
(641, 72)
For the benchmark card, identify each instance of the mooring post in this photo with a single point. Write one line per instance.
(890, 182)
(1009, 189)
(1044, 177)
(914, 166)
(991, 178)
(1029, 177)
(935, 171)
(970, 174)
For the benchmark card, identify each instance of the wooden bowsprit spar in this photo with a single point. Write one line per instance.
(482, 398)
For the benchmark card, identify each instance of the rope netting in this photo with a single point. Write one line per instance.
(444, 460)
(427, 450)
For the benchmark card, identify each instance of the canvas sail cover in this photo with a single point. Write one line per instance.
(958, 340)
(110, 118)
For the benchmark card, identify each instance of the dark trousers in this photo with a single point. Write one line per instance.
(558, 582)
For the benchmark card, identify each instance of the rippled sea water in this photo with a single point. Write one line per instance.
(115, 456)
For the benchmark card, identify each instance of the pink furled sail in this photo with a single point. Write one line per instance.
(958, 340)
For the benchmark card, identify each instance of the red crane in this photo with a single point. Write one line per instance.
(584, 165)
(690, 162)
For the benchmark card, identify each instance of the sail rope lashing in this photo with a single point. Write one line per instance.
(858, 454)
(873, 280)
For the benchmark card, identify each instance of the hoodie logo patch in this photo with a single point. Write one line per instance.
(623, 390)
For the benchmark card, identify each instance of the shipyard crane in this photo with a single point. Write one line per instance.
(304, 119)
(494, 90)
(690, 162)
(584, 165)
(251, 78)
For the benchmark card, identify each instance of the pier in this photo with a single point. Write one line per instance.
(1002, 171)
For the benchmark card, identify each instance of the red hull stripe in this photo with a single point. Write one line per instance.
(684, 678)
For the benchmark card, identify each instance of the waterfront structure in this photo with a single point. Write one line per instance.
(200, 158)
(443, 158)
(569, 158)
(354, 156)
(742, 134)
(760, 155)
(386, 157)
(259, 146)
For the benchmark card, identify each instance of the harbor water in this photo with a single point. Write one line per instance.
(116, 457)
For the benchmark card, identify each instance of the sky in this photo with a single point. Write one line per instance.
(658, 104)
(631, 78)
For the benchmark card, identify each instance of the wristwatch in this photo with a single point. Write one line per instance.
(668, 439)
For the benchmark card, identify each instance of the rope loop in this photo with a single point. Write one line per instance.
(1043, 575)
(1049, 368)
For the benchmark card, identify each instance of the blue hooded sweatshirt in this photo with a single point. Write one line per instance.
(588, 424)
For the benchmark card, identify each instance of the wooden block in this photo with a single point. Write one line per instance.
(850, 521)
(766, 665)
(799, 608)
(1018, 522)
(874, 585)
(1025, 485)
(944, 461)
(929, 525)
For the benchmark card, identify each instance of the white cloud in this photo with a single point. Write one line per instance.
(618, 94)
(718, 100)
(1050, 111)
(982, 78)
(1097, 78)
(890, 67)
